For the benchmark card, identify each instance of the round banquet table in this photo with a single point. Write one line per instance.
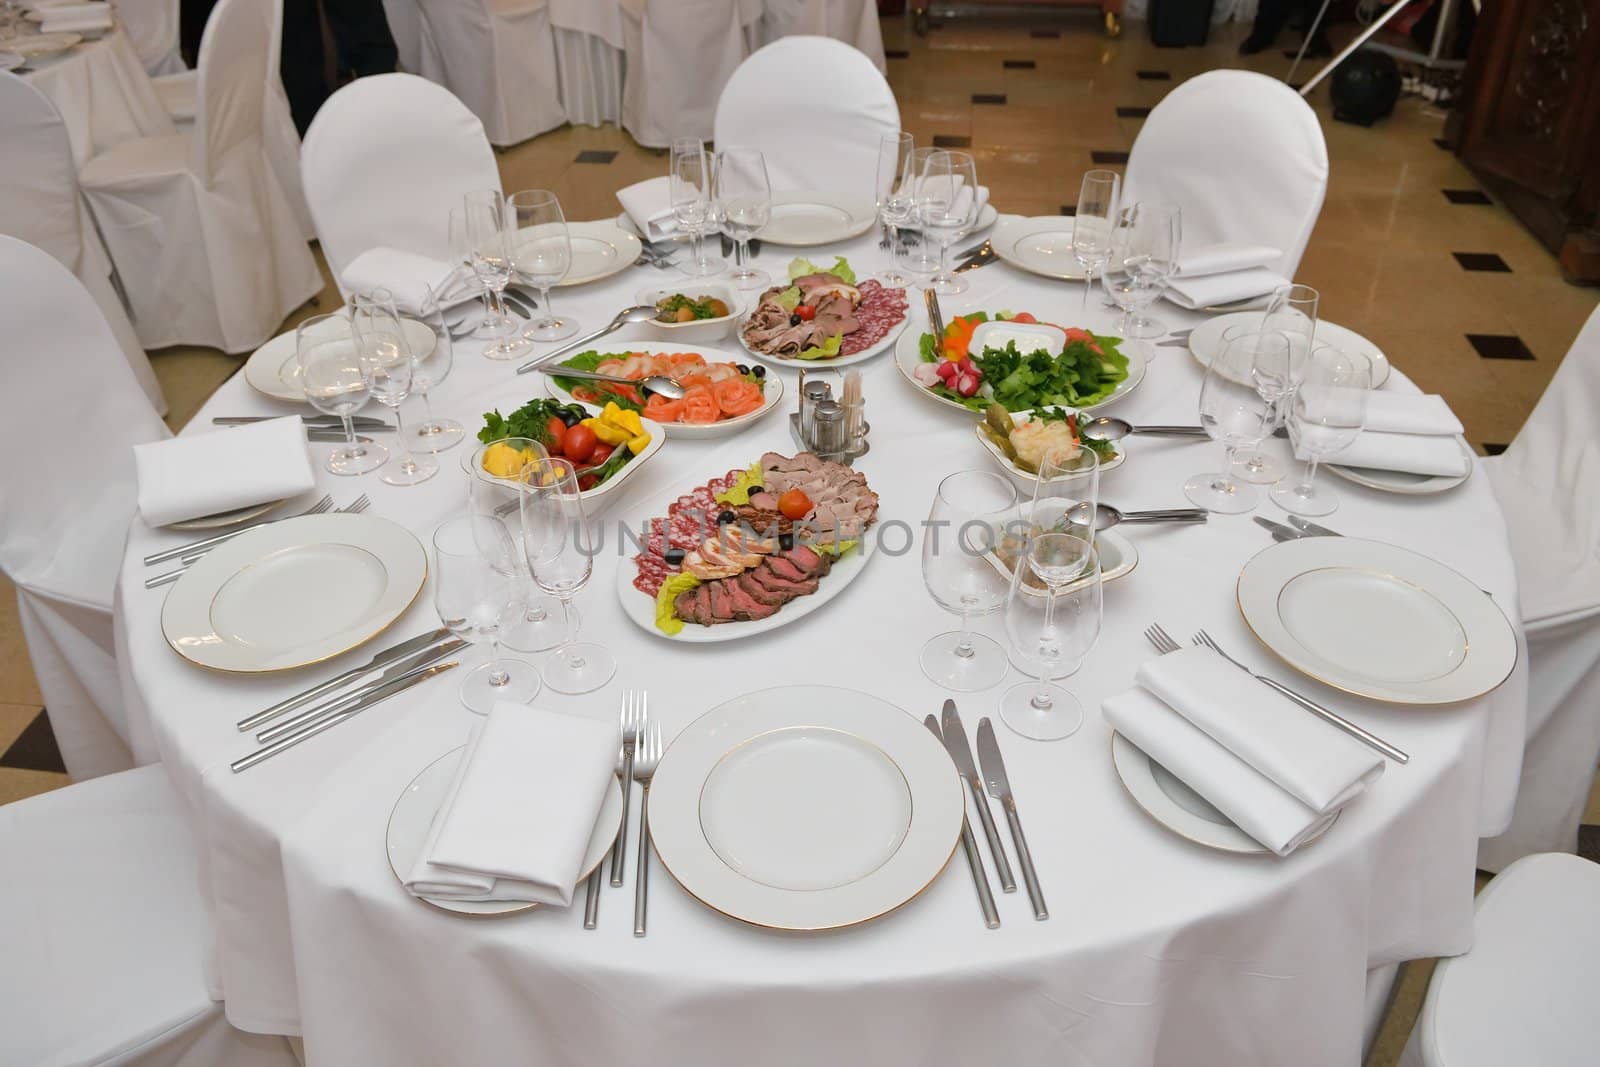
(103, 93)
(1156, 951)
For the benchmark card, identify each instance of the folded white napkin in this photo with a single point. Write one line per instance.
(1224, 258)
(964, 198)
(1413, 433)
(519, 814)
(407, 276)
(1421, 413)
(203, 474)
(649, 205)
(77, 7)
(1212, 289)
(1272, 767)
(59, 20)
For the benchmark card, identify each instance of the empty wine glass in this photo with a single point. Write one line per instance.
(1144, 256)
(744, 203)
(1234, 414)
(1054, 627)
(541, 255)
(965, 523)
(479, 238)
(429, 368)
(386, 363)
(1092, 224)
(1292, 311)
(947, 207)
(689, 178)
(559, 542)
(896, 198)
(330, 373)
(1327, 412)
(1066, 493)
(496, 497)
(473, 599)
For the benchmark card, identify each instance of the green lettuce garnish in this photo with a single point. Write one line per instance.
(748, 482)
(800, 267)
(828, 350)
(789, 299)
(589, 361)
(667, 620)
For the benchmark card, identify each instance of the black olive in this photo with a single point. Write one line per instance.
(571, 418)
(786, 541)
(759, 371)
(723, 518)
(741, 368)
(674, 556)
(794, 320)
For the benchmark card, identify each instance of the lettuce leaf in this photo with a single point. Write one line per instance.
(789, 299)
(836, 549)
(800, 267)
(828, 350)
(667, 620)
(747, 483)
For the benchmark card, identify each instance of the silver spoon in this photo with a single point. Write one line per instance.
(638, 313)
(655, 383)
(1104, 428)
(1106, 516)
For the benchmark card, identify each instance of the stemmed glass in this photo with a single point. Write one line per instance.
(478, 238)
(541, 255)
(496, 498)
(473, 599)
(386, 364)
(968, 513)
(1054, 628)
(1327, 412)
(744, 201)
(896, 198)
(330, 373)
(1064, 501)
(434, 434)
(1093, 222)
(1234, 414)
(1144, 256)
(947, 205)
(692, 205)
(559, 543)
(1293, 313)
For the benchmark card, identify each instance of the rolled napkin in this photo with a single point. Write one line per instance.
(75, 8)
(1224, 259)
(203, 474)
(519, 814)
(964, 198)
(1413, 433)
(62, 20)
(649, 205)
(1269, 765)
(407, 276)
(1212, 289)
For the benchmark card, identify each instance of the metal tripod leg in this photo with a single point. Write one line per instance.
(1311, 34)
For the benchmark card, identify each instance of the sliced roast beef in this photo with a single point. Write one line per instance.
(745, 604)
(752, 585)
(771, 577)
(786, 569)
(814, 564)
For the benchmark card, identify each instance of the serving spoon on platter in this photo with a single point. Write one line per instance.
(1105, 428)
(627, 316)
(670, 388)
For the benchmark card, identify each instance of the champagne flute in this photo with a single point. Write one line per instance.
(744, 202)
(494, 495)
(1234, 414)
(689, 178)
(434, 434)
(947, 204)
(896, 198)
(1292, 311)
(1144, 256)
(1053, 627)
(1092, 224)
(963, 525)
(478, 238)
(1327, 412)
(559, 542)
(330, 373)
(473, 599)
(541, 255)
(387, 366)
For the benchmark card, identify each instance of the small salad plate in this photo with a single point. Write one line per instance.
(599, 250)
(1404, 482)
(274, 368)
(1040, 246)
(807, 219)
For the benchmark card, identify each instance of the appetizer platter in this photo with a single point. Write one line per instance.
(824, 316)
(1014, 360)
(722, 395)
(604, 446)
(1019, 441)
(750, 550)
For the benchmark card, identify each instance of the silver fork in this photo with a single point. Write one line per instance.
(189, 559)
(173, 553)
(355, 507)
(591, 898)
(1369, 739)
(644, 768)
(1161, 639)
(635, 705)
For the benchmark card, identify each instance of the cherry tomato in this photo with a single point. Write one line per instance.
(806, 312)
(579, 444)
(587, 482)
(794, 504)
(556, 431)
(1023, 316)
(601, 453)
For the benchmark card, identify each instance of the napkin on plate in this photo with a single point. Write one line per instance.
(1225, 258)
(1272, 767)
(65, 18)
(203, 474)
(649, 205)
(1413, 433)
(407, 276)
(518, 817)
(1210, 290)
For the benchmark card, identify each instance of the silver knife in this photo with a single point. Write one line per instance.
(398, 685)
(318, 712)
(382, 659)
(1311, 528)
(955, 743)
(969, 844)
(1278, 530)
(994, 775)
(935, 319)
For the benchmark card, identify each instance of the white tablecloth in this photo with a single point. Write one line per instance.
(1157, 952)
(103, 94)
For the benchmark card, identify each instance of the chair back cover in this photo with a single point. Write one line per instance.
(385, 160)
(1241, 155)
(152, 27)
(664, 97)
(855, 22)
(836, 148)
(231, 93)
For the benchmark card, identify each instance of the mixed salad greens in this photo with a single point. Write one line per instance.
(1086, 372)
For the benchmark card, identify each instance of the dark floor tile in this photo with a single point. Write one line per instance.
(1045, 35)
(896, 54)
(35, 748)
(1109, 157)
(1069, 210)
(1482, 261)
(1499, 346)
(1019, 64)
(988, 98)
(1490, 449)
(1133, 112)
(1467, 196)
(1589, 843)
(951, 140)
(1155, 75)
(596, 155)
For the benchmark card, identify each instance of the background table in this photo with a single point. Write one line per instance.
(103, 94)
(1156, 952)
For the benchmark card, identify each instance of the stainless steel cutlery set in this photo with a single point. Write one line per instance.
(639, 752)
(189, 553)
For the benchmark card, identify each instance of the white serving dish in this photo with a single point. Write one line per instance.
(700, 330)
(1030, 336)
(1025, 480)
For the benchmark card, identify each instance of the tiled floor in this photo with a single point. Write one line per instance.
(1408, 251)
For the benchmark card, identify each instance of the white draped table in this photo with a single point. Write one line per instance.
(1156, 952)
(103, 93)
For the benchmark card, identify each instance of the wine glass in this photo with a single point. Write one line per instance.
(541, 255)
(479, 239)
(1144, 256)
(744, 201)
(689, 178)
(947, 205)
(1093, 222)
(330, 373)
(964, 524)
(473, 599)
(896, 198)
(1292, 311)
(1066, 493)
(434, 435)
(1234, 414)
(560, 546)
(495, 496)
(386, 364)
(1327, 412)
(1053, 627)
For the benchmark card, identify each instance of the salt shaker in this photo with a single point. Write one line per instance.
(829, 435)
(812, 393)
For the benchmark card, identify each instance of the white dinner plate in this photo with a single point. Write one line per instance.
(871, 351)
(1376, 620)
(293, 593)
(807, 219)
(1041, 245)
(39, 45)
(1165, 798)
(805, 808)
(1404, 482)
(274, 368)
(1206, 341)
(599, 250)
(772, 388)
(224, 519)
(413, 817)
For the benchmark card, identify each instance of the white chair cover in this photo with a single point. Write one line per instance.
(153, 27)
(64, 520)
(836, 148)
(1526, 993)
(104, 929)
(385, 160)
(1241, 155)
(499, 57)
(678, 56)
(405, 26)
(199, 225)
(855, 22)
(589, 40)
(43, 206)
(1548, 483)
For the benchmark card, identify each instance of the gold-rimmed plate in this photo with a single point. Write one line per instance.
(224, 519)
(599, 250)
(274, 368)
